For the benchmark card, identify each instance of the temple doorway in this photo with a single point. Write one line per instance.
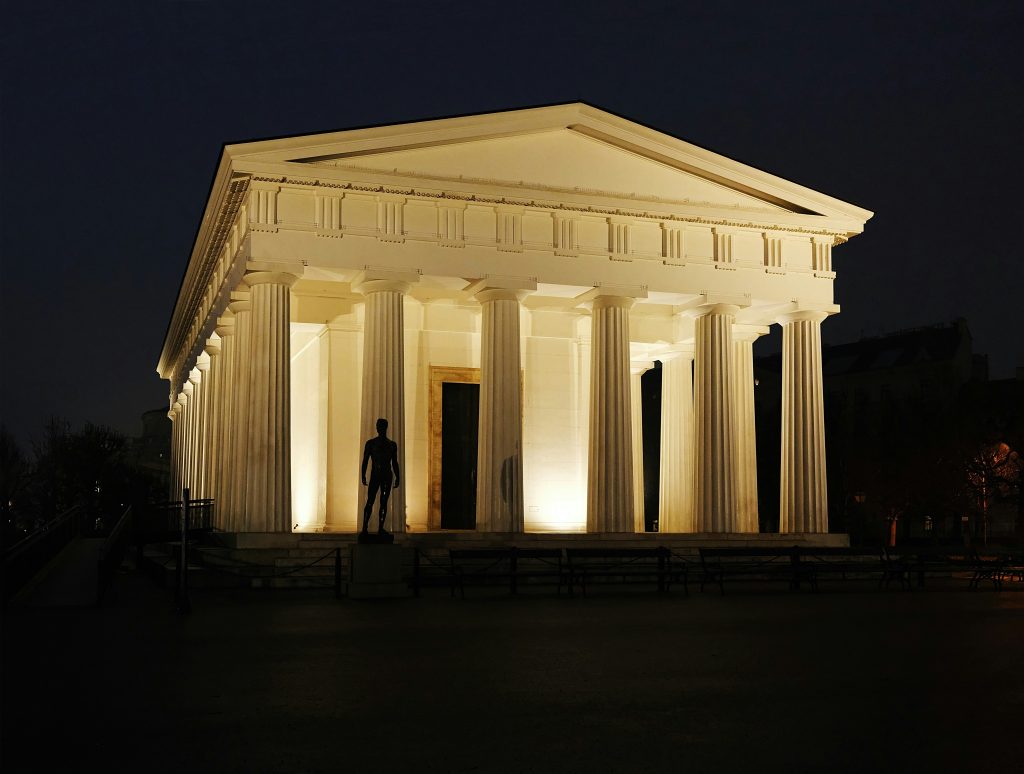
(454, 430)
(460, 407)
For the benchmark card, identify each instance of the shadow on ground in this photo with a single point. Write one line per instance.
(283, 681)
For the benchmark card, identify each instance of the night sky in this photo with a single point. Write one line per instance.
(113, 117)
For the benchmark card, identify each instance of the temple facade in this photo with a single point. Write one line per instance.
(494, 286)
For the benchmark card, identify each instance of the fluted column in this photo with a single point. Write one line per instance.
(499, 468)
(383, 394)
(744, 337)
(238, 442)
(190, 433)
(636, 418)
(202, 424)
(803, 496)
(213, 379)
(179, 448)
(610, 469)
(222, 436)
(676, 490)
(715, 446)
(172, 479)
(268, 492)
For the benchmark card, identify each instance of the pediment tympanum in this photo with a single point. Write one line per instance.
(558, 160)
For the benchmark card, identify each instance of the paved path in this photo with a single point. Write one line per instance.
(296, 681)
(69, 578)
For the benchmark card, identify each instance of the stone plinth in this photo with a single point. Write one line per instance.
(375, 570)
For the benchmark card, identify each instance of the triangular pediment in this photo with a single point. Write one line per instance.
(557, 160)
(572, 148)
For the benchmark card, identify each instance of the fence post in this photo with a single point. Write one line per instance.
(416, 571)
(337, 573)
(184, 605)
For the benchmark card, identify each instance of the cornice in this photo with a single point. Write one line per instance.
(199, 272)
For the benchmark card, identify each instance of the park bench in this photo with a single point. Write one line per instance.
(756, 563)
(843, 562)
(514, 565)
(587, 565)
(905, 563)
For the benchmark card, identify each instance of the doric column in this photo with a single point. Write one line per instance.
(268, 491)
(238, 442)
(222, 436)
(190, 432)
(715, 447)
(174, 414)
(179, 448)
(384, 373)
(744, 337)
(499, 468)
(803, 497)
(202, 424)
(610, 469)
(676, 490)
(636, 418)
(213, 399)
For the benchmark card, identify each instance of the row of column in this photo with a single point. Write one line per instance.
(708, 440)
(231, 436)
(231, 427)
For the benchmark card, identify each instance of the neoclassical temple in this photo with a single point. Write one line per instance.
(495, 285)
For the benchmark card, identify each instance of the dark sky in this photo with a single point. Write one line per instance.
(113, 116)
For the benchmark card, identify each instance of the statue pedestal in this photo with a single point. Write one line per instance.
(376, 571)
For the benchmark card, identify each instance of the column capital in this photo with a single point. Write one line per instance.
(604, 296)
(686, 350)
(189, 387)
(272, 273)
(225, 324)
(241, 301)
(639, 367)
(744, 332)
(714, 308)
(492, 288)
(212, 348)
(805, 315)
(372, 280)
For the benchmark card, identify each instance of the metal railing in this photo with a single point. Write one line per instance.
(112, 553)
(27, 557)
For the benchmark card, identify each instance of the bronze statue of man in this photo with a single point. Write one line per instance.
(384, 453)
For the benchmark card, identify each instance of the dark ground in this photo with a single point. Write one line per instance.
(843, 681)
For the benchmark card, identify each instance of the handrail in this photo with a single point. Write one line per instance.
(111, 553)
(27, 557)
(34, 537)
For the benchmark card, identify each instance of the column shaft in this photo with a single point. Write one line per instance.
(384, 383)
(172, 479)
(676, 490)
(222, 435)
(268, 499)
(715, 449)
(240, 432)
(803, 496)
(610, 471)
(203, 394)
(190, 437)
(636, 418)
(499, 482)
(746, 435)
(213, 377)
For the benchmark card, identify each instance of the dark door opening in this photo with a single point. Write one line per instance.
(460, 406)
